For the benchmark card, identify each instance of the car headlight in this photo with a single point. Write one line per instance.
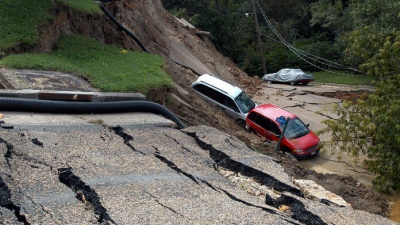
(298, 150)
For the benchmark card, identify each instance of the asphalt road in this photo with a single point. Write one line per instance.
(140, 169)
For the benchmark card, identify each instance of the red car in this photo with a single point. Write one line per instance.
(298, 139)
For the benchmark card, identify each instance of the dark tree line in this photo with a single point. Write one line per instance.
(233, 31)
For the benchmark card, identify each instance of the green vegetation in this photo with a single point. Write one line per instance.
(370, 127)
(339, 77)
(98, 121)
(88, 6)
(107, 67)
(19, 20)
(284, 29)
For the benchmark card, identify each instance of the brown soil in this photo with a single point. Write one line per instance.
(349, 188)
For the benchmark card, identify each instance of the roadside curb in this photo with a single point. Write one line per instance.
(71, 95)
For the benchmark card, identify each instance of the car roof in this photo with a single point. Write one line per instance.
(219, 84)
(272, 111)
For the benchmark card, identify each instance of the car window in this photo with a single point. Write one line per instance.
(209, 92)
(264, 122)
(295, 129)
(253, 117)
(244, 102)
(228, 102)
(274, 128)
(258, 119)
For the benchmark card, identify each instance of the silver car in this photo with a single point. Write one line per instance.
(224, 96)
(292, 76)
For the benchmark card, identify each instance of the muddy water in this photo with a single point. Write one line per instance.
(328, 164)
(324, 162)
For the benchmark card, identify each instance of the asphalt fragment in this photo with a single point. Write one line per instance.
(297, 208)
(223, 160)
(37, 142)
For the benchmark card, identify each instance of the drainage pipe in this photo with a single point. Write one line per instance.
(49, 106)
(124, 28)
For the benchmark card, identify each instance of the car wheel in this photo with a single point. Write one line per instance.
(269, 82)
(292, 83)
(241, 123)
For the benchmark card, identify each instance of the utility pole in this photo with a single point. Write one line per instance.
(260, 46)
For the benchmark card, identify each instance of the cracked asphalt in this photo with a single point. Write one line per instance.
(310, 106)
(136, 168)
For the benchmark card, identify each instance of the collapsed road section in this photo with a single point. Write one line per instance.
(88, 173)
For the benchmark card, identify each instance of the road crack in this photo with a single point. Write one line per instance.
(5, 201)
(120, 132)
(167, 207)
(173, 166)
(181, 145)
(37, 204)
(297, 208)
(85, 194)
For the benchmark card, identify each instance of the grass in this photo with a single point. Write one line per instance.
(19, 20)
(88, 6)
(339, 77)
(107, 67)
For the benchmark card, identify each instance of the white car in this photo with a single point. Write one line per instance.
(224, 96)
(292, 76)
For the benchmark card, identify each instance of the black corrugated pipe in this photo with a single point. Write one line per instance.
(123, 28)
(48, 106)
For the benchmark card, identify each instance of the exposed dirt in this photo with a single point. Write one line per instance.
(349, 188)
(156, 27)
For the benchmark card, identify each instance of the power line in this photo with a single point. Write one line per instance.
(302, 54)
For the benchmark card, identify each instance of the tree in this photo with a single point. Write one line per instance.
(234, 34)
(371, 126)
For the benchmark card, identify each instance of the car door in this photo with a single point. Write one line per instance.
(265, 127)
(210, 95)
(231, 108)
(218, 100)
(271, 130)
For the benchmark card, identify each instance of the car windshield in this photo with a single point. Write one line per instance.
(295, 129)
(244, 102)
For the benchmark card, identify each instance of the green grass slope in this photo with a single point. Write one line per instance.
(108, 68)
